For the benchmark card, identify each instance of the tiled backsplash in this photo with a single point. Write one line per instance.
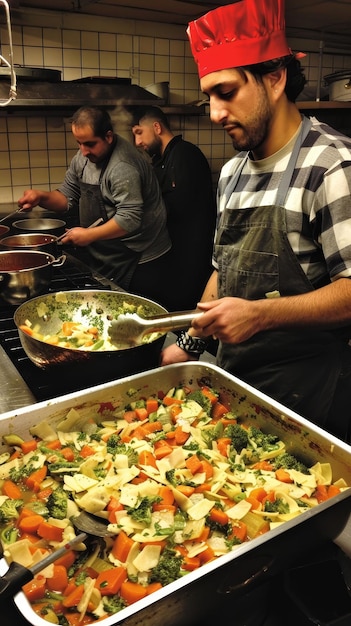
(36, 148)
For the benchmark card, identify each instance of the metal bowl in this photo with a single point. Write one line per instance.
(42, 225)
(96, 307)
(30, 241)
(25, 274)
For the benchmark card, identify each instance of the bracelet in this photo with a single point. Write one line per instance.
(192, 345)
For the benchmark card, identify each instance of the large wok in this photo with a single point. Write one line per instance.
(90, 307)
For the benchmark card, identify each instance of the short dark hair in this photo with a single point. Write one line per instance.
(149, 112)
(295, 80)
(98, 119)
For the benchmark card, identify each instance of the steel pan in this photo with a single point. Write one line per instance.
(93, 307)
(234, 583)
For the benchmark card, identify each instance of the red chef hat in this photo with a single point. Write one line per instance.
(244, 33)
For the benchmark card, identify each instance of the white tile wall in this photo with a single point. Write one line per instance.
(35, 149)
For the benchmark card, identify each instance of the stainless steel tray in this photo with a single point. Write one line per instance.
(231, 577)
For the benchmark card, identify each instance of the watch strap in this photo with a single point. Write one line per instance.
(192, 345)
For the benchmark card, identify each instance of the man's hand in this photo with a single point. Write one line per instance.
(174, 354)
(29, 200)
(78, 236)
(231, 320)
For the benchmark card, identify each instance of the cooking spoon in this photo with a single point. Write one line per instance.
(11, 214)
(17, 575)
(129, 328)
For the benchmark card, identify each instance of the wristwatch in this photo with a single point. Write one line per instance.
(192, 345)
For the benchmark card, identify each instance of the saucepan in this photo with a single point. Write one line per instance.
(3, 230)
(90, 307)
(25, 274)
(40, 225)
(38, 242)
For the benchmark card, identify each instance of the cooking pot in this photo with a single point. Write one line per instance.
(339, 85)
(3, 230)
(42, 225)
(25, 274)
(90, 307)
(30, 241)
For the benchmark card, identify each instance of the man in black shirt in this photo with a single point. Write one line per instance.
(185, 179)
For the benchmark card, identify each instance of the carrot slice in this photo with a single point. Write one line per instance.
(223, 444)
(122, 546)
(218, 410)
(50, 532)
(190, 563)
(11, 490)
(147, 458)
(282, 475)
(59, 581)
(239, 530)
(141, 413)
(181, 437)
(29, 446)
(218, 516)
(132, 592)
(109, 581)
(74, 597)
(30, 523)
(151, 405)
(35, 478)
(166, 494)
(35, 589)
(193, 464)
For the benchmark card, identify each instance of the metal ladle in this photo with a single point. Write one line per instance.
(17, 575)
(129, 328)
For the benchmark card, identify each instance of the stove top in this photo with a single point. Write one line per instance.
(43, 384)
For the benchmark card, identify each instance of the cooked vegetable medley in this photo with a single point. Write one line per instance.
(90, 332)
(178, 480)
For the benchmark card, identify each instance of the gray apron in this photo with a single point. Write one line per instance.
(112, 258)
(300, 368)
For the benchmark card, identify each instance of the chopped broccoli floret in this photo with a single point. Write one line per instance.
(278, 506)
(238, 436)
(113, 604)
(8, 509)
(142, 512)
(201, 399)
(288, 461)
(168, 568)
(115, 446)
(267, 441)
(57, 503)
(171, 477)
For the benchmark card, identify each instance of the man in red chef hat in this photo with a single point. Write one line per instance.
(279, 298)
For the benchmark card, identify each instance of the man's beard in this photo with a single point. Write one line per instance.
(255, 129)
(155, 148)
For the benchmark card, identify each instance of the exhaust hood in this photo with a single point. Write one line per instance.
(43, 88)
